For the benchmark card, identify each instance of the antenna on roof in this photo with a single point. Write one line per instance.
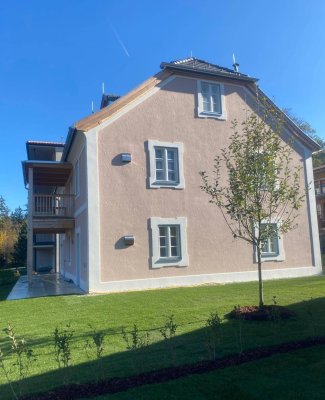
(103, 87)
(235, 65)
(92, 107)
(191, 53)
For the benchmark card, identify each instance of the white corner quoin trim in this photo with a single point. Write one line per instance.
(153, 183)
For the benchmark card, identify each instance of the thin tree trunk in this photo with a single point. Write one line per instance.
(260, 281)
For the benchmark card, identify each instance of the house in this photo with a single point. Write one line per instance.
(319, 179)
(123, 206)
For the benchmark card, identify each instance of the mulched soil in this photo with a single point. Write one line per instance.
(114, 385)
(255, 313)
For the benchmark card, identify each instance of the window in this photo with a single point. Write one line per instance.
(77, 178)
(166, 165)
(168, 238)
(211, 100)
(272, 247)
(169, 242)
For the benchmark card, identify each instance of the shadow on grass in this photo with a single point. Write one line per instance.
(185, 348)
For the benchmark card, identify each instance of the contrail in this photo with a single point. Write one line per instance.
(120, 42)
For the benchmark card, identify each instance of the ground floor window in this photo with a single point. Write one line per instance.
(272, 247)
(169, 242)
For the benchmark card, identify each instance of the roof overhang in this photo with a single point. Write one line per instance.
(181, 68)
(47, 173)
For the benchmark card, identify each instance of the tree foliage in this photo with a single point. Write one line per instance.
(13, 236)
(261, 196)
(318, 158)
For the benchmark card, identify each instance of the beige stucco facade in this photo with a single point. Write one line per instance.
(114, 199)
(127, 203)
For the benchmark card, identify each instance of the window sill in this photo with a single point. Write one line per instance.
(278, 257)
(173, 262)
(170, 185)
(202, 114)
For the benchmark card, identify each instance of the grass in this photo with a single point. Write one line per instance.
(295, 376)
(35, 320)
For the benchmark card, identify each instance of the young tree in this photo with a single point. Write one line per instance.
(260, 199)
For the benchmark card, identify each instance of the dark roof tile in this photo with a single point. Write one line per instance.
(202, 66)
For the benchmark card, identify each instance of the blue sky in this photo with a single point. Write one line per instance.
(54, 55)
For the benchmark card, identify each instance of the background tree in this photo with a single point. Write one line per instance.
(7, 234)
(261, 196)
(319, 157)
(12, 228)
(19, 255)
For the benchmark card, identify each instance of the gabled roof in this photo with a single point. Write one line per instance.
(187, 66)
(193, 64)
(100, 116)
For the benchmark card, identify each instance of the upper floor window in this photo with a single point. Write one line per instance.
(166, 164)
(211, 100)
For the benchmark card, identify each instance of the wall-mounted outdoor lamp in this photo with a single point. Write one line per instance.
(129, 240)
(126, 157)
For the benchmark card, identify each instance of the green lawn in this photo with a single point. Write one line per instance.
(35, 320)
(295, 376)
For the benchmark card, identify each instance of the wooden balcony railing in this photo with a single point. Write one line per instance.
(53, 205)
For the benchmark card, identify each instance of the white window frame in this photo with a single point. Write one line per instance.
(77, 178)
(156, 260)
(211, 114)
(280, 256)
(153, 182)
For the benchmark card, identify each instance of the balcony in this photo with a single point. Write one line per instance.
(56, 205)
(53, 213)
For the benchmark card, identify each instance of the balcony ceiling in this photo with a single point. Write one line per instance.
(47, 173)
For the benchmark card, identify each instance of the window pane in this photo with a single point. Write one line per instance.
(204, 88)
(159, 153)
(265, 246)
(162, 231)
(160, 175)
(171, 176)
(173, 231)
(173, 241)
(216, 104)
(274, 245)
(159, 164)
(206, 103)
(171, 165)
(215, 89)
(171, 154)
(163, 252)
(174, 251)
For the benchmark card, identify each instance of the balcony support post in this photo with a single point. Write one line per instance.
(30, 250)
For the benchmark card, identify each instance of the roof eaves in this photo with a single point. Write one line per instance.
(227, 75)
(68, 143)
